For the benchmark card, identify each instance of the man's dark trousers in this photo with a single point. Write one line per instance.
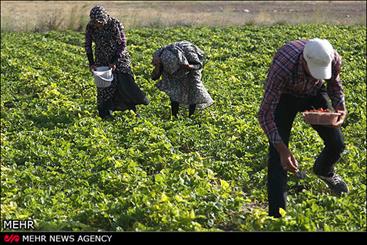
(285, 113)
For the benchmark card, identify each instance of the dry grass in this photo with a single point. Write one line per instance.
(59, 15)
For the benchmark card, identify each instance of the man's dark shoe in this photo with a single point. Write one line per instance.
(335, 183)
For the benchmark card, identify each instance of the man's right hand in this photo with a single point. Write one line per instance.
(287, 160)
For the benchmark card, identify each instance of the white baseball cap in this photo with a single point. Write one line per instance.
(319, 54)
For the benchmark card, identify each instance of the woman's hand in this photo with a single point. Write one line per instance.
(188, 66)
(93, 68)
(113, 66)
(157, 71)
(156, 61)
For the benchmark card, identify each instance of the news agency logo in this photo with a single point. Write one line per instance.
(18, 224)
(11, 238)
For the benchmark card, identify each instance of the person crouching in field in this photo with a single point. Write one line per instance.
(110, 50)
(295, 83)
(180, 65)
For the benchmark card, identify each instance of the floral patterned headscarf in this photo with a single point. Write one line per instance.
(171, 57)
(99, 14)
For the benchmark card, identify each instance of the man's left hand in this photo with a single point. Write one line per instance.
(341, 118)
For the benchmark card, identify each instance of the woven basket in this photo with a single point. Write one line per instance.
(320, 118)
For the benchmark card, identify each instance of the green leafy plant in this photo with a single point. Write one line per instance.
(69, 170)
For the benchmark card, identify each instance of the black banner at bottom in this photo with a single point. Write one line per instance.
(200, 237)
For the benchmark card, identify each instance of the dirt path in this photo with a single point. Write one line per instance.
(30, 14)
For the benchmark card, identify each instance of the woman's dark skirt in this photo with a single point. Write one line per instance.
(125, 95)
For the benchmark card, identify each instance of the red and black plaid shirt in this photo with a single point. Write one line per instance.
(288, 76)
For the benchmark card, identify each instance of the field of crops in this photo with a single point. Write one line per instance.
(68, 170)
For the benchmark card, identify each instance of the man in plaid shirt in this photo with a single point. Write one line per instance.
(304, 75)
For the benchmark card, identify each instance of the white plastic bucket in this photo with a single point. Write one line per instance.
(103, 76)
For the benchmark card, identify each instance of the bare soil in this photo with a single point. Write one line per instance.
(28, 15)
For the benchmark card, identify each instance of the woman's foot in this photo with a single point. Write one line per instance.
(105, 114)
